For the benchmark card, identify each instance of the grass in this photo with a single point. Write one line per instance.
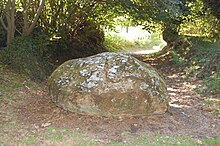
(116, 43)
(212, 141)
(206, 56)
(57, 136)
(11, 82)
(168, 140)
(205, 53)
(213, 105)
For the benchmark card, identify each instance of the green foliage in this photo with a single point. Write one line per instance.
(178, 52)
(89, 41)
(115, 43)
(201, 21)
(197, 57)
(203, 60)
(212, 141)
(26, 54)
(206, 54)
(162, 12)
(178, 59)
(213, 83)
(214, 6)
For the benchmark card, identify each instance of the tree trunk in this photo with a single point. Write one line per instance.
(10, 19)
(29, 26)
(170, 34)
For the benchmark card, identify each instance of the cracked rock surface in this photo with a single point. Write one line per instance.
(108, 84)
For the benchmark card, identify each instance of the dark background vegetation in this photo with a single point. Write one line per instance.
(37, 36)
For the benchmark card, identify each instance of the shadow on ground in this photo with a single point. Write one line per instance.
(33, 109)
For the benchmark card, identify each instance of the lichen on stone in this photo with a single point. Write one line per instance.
(108, 84)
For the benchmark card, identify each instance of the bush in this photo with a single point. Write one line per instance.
(27, 55)
(213, 84)
(86, 42)
(198, 57)
(205, 56)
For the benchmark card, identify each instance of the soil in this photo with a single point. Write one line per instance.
(186, 115)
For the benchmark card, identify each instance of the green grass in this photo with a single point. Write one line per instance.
(29, 140)
(115, 43)
(206, 56)
(57, 136)
(168, 140)
(11, 82)
(70, 137)
(157, 140)
(63, 137)
(212, 141)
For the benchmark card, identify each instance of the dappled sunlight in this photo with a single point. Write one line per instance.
(133, 33)
(144, 52)
(181, 92)
(176, 105)
(135, 40)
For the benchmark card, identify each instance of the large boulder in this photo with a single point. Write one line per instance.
(108, 84)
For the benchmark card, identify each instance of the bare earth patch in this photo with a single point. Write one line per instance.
(32, 112)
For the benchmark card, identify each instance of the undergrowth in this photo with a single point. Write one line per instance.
(204, 56)
(27, 55)
(199, 57)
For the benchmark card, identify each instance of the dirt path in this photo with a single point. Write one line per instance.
(34, 111)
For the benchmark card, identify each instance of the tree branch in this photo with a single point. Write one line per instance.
(36, 17)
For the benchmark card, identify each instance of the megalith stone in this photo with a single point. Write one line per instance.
(108, 84)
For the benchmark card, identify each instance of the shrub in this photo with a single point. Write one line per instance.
(198, 57)
(27, 55)
(213, 84)
(86, 42)
(205, 55)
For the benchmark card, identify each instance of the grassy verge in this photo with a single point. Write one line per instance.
(204, 63)
(57, 136)
(52, 136)
(10, 82)
(198, 58)
(115, 43)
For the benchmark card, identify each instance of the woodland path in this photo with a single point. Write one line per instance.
(187, 115)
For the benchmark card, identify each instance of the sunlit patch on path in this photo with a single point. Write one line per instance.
(146, 51)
